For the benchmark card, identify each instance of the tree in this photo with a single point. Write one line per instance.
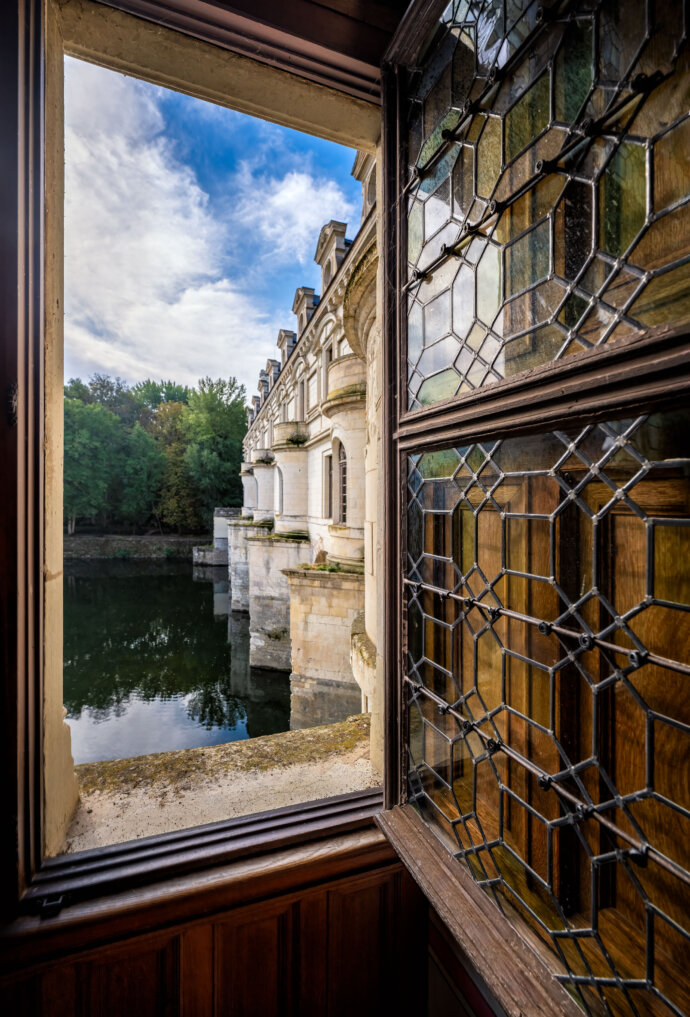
(178, 504)
(142, 474)
(152, 393)
(215, 425)
(92, 439)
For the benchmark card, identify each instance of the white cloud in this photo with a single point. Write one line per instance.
(145, 294)
(288, 212)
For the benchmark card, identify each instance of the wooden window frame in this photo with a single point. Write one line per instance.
(633, 375)
(30, 883)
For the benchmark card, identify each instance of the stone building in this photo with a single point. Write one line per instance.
(300, 555)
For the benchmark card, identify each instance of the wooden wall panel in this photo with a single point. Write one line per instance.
(337, 948)
(140, 981)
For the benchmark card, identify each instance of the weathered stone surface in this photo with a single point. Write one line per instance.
(122, 546)
(238, 567)
(269, 598)
(323, 607)
(210, 555)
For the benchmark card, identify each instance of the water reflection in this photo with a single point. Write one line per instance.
(153, 660)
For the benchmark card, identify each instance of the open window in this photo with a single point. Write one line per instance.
(539, 478)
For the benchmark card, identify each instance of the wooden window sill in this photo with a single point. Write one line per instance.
(520, 981)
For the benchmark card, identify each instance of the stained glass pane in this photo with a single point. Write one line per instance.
(547, 666)
(558, 146)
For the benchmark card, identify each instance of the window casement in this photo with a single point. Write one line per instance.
(328, 486)
(198, 57)
(538, 485)
(342, 484)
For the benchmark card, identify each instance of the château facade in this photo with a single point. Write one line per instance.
(302, 559)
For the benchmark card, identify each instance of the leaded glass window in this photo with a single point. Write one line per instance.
(547, 684)
(547, 187)
(543, 194)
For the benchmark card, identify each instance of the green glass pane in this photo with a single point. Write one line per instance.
(437, 318)
(573, 72)
(622, 198)
(489, 157)
(463, 301)
(435, 139)
(414, 333)
(415, 231)
(671, 170)
(441, 386)
(434, 465)
(528, 259)
(441, 354)
(528, 117)
(439, 170)
(666, 298)
(489, 288)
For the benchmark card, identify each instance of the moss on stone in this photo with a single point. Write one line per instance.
(183, 769)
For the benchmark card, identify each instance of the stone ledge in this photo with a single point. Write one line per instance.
(279, 538)
(324, 577)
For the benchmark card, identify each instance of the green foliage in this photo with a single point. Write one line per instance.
(152, 393)
(215, 425)
(157, 452)
(92, 458)
(142, 475)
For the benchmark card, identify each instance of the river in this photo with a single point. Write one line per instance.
(153, 661)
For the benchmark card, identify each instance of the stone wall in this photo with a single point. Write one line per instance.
(323, 607)
(269, 597)
(116, 546)
(238, 566)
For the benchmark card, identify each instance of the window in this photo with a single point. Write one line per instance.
(342, 484)
(328, 486)
(326, 359)
(300, 400)
(545, 519)
(31, 510)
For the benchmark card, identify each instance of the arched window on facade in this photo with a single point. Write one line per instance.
(342, 484)
(279, 492)
(300, 399)
(327, 274)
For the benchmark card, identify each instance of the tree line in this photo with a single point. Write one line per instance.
(154, 454)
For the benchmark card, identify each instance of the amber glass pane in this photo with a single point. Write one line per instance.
(557, 204)
(548, 670)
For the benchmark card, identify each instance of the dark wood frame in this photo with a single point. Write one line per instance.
(652, 371)
(31, 884)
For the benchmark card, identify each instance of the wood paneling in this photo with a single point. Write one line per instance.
(323, 946)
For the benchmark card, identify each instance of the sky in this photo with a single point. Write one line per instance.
(188, 228)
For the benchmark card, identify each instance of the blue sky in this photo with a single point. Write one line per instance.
(188, 228)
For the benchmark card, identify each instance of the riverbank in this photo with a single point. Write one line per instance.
(127, 799)
(121, 546)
